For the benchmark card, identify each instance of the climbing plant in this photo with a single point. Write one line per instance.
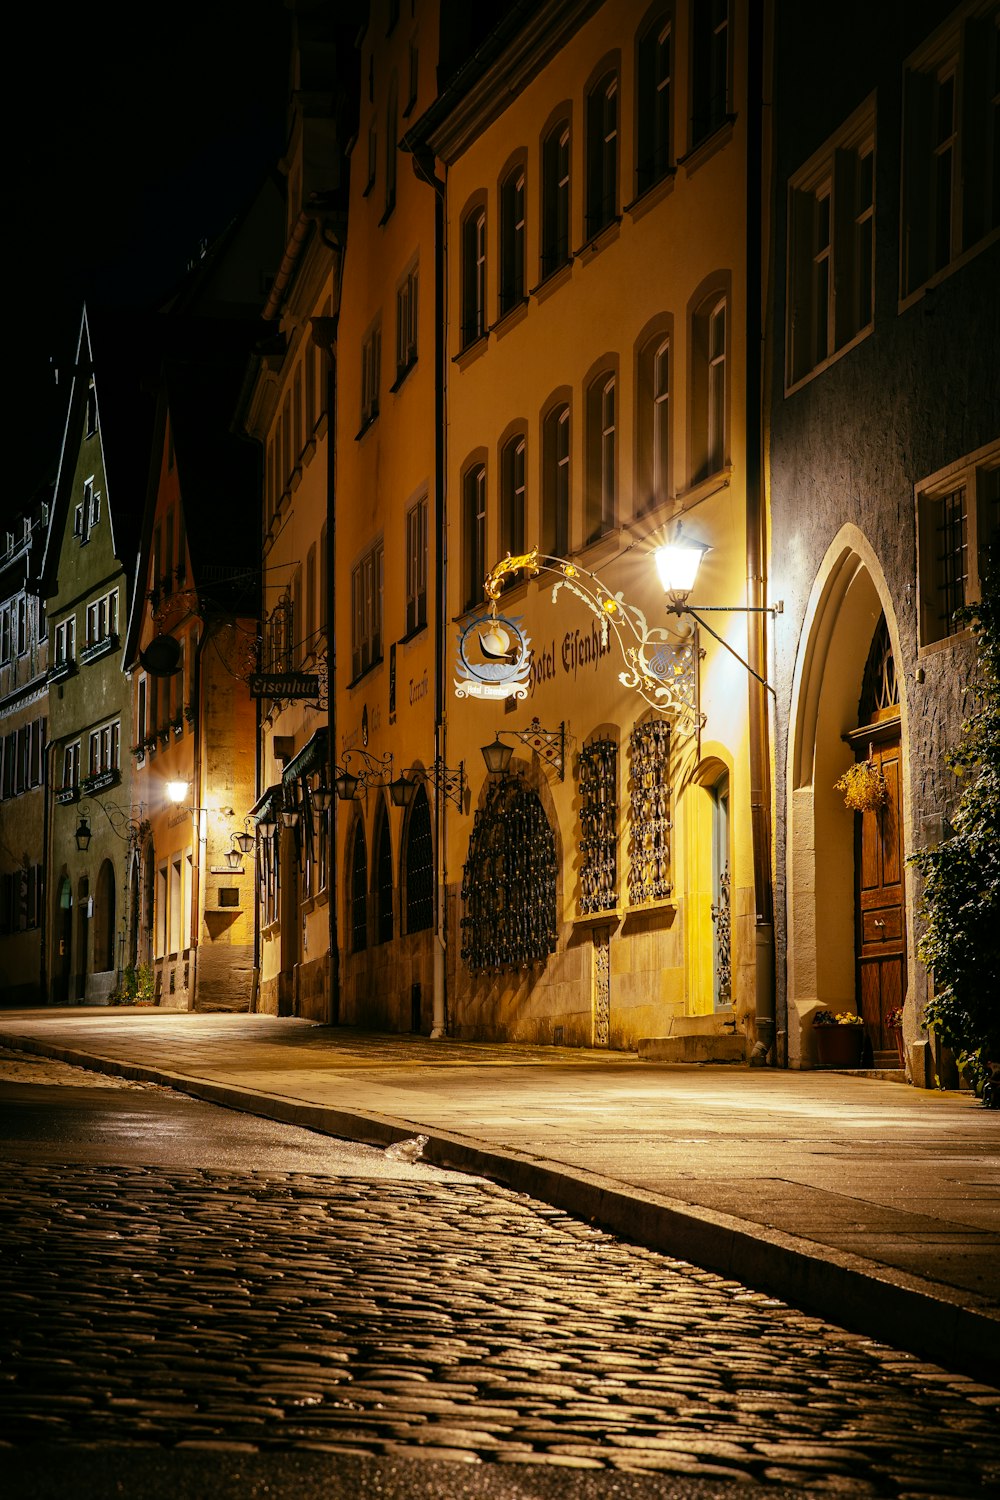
(960, 907)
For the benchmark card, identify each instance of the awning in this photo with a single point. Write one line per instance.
(268, 805)
(312, 757)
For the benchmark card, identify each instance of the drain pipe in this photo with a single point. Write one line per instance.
(423, 166)
(756, 525)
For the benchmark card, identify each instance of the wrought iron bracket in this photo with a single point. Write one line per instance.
(548, 744)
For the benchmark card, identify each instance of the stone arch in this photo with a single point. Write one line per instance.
(104, 919)
(849, 595)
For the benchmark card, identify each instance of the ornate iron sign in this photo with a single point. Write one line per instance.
(284, 684)
(493, 659)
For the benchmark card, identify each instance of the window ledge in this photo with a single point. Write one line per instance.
(945, 272)
(412, 634)
(366, 673)
(552, 279)
(703, 489)
(605, 236)
(510, 318)
(610, 917)
(831, 359)
(714, 141)
(650, 196)
(401, 374)
(472, 350)
(389, 209)
(366, 426)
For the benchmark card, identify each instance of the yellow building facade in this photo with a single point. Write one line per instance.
(602, 889)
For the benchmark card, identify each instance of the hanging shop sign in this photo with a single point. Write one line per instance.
(284, 684)
(493, 658)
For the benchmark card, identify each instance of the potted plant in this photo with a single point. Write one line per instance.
(864, 787)
(839, 1038)
(895, 1025)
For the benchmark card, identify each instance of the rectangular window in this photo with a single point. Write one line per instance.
(371, 358)
(6, 634)
(958, 518)
(65, 641)
(416, 567)
(21, 629)
(951, 145)
(372, 156)
(555, 482)
(601, 493)
(71, 766)
(406, 324)
(512, 497)
(102, 619)
(717, 388)
(366, 611)
(831, 220)
(391, 153)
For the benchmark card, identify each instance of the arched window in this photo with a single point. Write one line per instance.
(473, 276)
(653, 70)
(383, 879)
(359, 890)
(602, 154)
(104, 919)
(418, 860)
(555, 199)
(509, 881)
(710, 386)
(512, 250)
(512, 489)
(474, 527)
(653, 423)
(555, 481)
(602, 458)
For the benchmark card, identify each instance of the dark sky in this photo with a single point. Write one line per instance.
(133, 133)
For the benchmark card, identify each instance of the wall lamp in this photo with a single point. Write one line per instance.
(375, 771)
(549, 744)
(677, 564)
(83, 834)
(446, 780)
(124, 826)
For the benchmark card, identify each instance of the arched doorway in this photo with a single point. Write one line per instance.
(848, 603)
(63, 966)
(509, 882)
(83, 911)
(104, 919)
(879, 910)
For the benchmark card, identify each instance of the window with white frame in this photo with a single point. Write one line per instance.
(371, 359)
(64, 641)
(653, 69)
(710, 386)
(71, 766)
(512, 244)
(951, 145)
(709, 68)
(473, 276)
(104, 749)
(602, 457)
(555, 199)
(653, 479)
(602, 154)
(366, 611)
(87, 512)
(512, 498)
(6, 633)
(474, 508)
(406, 323)
(416, 566)
(831, 223)
(555, 481)
(102, 618)
(958, 517)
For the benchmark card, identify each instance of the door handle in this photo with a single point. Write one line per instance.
(879, 923)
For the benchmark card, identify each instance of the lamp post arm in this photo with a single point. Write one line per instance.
(723, 642)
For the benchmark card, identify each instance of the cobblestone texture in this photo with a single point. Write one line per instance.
(454, 1320)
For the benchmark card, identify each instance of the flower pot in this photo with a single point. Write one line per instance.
(897, 1033)
(839, 1046)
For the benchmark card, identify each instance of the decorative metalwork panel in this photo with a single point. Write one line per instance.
(649, 812)
(879, 686)
(722, 917)
(602, 987)
(598, 775)
(509, 882)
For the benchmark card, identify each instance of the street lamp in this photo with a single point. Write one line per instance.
(83, 835)
(497, 756)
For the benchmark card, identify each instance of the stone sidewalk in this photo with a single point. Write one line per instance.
(868, 1202)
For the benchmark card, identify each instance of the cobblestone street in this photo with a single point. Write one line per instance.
(453, 1319)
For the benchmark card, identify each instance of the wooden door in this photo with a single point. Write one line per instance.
(881, 931)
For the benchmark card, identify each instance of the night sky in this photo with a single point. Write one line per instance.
(133, 133)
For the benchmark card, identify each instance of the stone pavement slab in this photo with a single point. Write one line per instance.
(872, 1203)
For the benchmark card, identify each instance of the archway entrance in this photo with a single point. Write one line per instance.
(842, 879)
(62, 968)
(879, 913)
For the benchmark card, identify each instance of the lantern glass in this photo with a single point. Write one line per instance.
(497, 756)
(83, 835)
(346, 786)
(401, 791)
(677, 565)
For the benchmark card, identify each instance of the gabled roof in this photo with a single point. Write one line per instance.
(120, 350)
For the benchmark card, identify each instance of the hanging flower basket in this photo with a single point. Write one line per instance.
(864, 787)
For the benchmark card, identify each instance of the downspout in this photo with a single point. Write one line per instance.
(423, 166)
(756, 524)
(258, 790)
(48, 790)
